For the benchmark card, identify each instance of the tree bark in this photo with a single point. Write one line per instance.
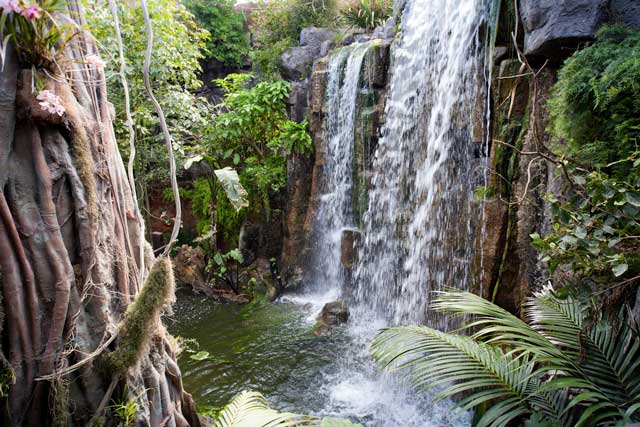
(70, 248)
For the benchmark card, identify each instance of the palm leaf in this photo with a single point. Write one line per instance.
(495, 325)
(251, 409)
(607, 356)
(433, 357)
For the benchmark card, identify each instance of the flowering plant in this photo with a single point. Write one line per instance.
(31, 27)
(50, 102)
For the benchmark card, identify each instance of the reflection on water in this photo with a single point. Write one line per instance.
(268, 348)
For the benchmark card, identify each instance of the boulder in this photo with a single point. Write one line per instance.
(297, 62)
(298, 101)
(263, 273)
(189, 265)
(626, 12)
(554, 28)
(314, 37)
(333, 314)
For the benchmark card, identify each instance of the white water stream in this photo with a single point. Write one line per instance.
(419, 228)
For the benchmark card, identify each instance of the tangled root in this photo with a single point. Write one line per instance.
(142, 317)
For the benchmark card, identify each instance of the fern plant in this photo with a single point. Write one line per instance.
(567, 365)
(251, 409)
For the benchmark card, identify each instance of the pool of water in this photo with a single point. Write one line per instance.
(268, 348)
(271, 348)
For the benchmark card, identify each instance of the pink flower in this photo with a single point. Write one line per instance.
(50, 102)
(96, 61)
(32, 12)
(10, 6)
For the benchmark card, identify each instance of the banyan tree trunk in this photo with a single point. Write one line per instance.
(70, 264)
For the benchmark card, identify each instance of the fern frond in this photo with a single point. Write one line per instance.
(251, 409)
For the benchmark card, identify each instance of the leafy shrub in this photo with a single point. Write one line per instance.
(175, 68)
(367, 14)
(253, 135)
(595, 110)
(568, 366)
(595, 107)
(278, 25)
(596, 233)
(228, 43)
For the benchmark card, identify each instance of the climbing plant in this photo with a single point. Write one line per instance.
(174, 68)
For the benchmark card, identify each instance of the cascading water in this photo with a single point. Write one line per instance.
(418, 233)
(419, 227)
(335, 212)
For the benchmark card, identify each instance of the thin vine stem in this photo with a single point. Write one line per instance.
(165, 129)
(132, 143)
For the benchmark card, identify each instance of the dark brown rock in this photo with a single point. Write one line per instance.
(333, 314)
(189, 266)
(348, 245)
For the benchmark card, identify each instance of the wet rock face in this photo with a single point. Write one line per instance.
(189, 265)
(626, 11)
(348, 244)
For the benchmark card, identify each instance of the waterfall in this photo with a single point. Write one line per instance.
(419, 229)
(335, 212)
(419, 226)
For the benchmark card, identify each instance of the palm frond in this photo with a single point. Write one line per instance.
(495, 325)
(251, 409)
(606, 354)
(433, 357)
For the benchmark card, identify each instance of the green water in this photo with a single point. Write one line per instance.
(268, 348)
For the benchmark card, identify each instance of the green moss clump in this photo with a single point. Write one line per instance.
(595, 107)
(59, 396)
(142, 317)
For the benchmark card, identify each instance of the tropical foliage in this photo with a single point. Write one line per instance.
(568, 365)
(595, 108)
(35, 34)
(278, 25)
(251, 409)
(595, 119)
(367, 14)
(228, 43)
(252, 135)
(175, 68)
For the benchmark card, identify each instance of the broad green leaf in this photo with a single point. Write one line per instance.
(191, 160)
(234, 190)
(632, 197)
(619, 269)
